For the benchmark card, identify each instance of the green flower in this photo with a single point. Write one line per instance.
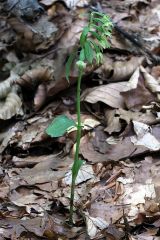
(80, 64)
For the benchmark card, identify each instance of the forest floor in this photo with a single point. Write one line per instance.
(117, 192)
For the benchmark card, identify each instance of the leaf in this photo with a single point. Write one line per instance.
(99, 20)
(5, 86)
(109, 94)
(85, 173)
(96, 47)
(76, 167)
(69, 63)
(88, 52)
(11, 106)
(59, 126)
(96, 35)
(82, 55)
(98, 28)
(83, 36)
(144, 136)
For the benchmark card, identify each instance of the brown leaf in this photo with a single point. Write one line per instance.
(123, 149)
(25, 36)
(120, 70)
(40, 97)
(11, 106)
(108, 94)
(136, 98)
(52, 168)
(34, 77)
(100, 209)
(5, 86)
(113, 123)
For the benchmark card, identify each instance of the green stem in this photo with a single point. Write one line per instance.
(78, 138)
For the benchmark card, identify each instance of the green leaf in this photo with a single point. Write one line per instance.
(96, 47)
(76, 167)
(107, 33)
(100, 20)
(59, 126)
(82, 55)
(89, 54)
(84, 36)
(96, 35)
(69, 63)
(98, 28)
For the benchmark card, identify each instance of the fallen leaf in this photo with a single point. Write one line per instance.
(108, 94)
(85, 173)
(136, 98)
(94, 225)
(120, 70)
(144, 136)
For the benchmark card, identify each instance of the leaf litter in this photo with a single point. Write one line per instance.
(117, 188)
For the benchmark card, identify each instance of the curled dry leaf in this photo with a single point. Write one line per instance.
(144, 136)
(33, 77)
(40, 97)
(156, 72)
(108, 94)
(86, 172)
(68, 3)
(25, 9)
(114, 117)
(94, 224)
(27, 40)
(113, 123)
(139, 95)
(121, 70)
(11, 106)
(151, 82)
(6, 85)
(76, 3)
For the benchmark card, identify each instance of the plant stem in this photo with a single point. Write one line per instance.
(78, 138)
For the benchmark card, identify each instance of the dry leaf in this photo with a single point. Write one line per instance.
(151, 82)
(108, 94)
(113, 123)
(5, 86)
(76, 3)
(40, 97)
(34, 77)
(120, 70)
(11, 106)
(144, 136)
(139, 96)
(85, 173)
(123, 149)
(94, 225)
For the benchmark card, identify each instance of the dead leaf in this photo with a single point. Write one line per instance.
(40, 97)
(144, 136)
(108, 94)
(123, 149)
(120, 70)
(136, 98)
(94, 224)
(85, 173)
(5, 86)
(151, 82)
(34, 77)
(113, 123)
(11, 106)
